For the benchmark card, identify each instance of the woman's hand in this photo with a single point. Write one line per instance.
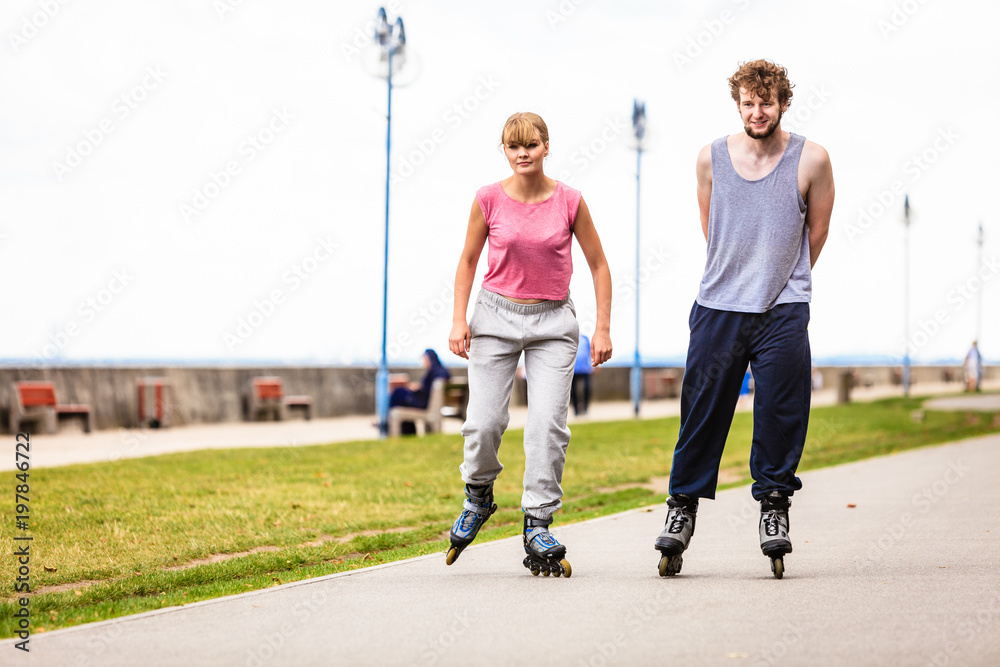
(460, 339)
(600, 348)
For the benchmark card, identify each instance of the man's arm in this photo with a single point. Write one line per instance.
(704, 170)
(819, 197)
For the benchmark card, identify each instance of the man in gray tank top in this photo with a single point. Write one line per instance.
(765, 197)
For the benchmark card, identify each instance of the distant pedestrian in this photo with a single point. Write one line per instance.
(765, 197)
(973, 368)
(580, 395)
(529, 221)
(418, 394)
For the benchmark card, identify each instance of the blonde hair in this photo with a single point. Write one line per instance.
(520, 129)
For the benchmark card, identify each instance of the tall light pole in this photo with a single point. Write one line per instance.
(979, 295)
(906, 296)
(639, 127)
(391, 40)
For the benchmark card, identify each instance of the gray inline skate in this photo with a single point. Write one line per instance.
(774, 539)
(478, 507)
(544, 553)
(677, 531)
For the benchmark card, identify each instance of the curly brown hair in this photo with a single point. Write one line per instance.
(762, 77)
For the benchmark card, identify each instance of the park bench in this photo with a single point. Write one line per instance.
(661, 383)
(36, 402)
(426, 420)
(267, 396)
(456, 398)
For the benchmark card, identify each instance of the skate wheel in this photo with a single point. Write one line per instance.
(778, 567)
(670, 565)
(545, 572)
(452, 556)
(535, 571)
(567, 570)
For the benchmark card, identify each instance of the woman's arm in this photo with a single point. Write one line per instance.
(460, 338)
(590, 243)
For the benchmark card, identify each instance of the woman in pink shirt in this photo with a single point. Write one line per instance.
(529, 220)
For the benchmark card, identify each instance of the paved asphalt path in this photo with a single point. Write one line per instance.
(896, 562)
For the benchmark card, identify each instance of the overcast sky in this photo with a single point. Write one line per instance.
(204, 180)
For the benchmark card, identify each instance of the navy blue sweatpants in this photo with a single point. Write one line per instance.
(775, 345)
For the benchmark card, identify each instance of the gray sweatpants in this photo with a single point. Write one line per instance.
(548, 334)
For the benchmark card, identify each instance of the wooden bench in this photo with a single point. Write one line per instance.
(427, 420)
(456, 398)
(36, 402)
(267, 395)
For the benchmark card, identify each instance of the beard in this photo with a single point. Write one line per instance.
(767, 131)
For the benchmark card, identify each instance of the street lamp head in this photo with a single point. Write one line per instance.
(390, 38)
(398, 34)
(382, 31)
(639, 120)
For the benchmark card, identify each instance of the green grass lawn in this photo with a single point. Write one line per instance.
(122, 537)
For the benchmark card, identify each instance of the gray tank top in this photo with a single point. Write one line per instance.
(758, 242)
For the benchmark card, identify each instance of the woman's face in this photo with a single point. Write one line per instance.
(527, 160)
(426, 360)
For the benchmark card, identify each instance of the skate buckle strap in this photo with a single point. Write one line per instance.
(532, 522)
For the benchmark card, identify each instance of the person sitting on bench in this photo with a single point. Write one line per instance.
(417, 394)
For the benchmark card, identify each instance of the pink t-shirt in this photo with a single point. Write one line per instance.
(530, 254)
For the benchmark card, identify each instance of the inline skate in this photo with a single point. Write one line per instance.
(677, 531)
(478, 507)
(774, 539)
(544, 553)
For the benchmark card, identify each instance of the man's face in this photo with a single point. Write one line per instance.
(760, 118)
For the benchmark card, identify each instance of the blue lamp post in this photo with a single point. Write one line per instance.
(639, 127)
(391, 40)
(906, 296)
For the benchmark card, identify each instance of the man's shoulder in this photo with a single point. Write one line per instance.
(813, 153)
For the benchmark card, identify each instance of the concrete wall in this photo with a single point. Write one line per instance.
(217, 394)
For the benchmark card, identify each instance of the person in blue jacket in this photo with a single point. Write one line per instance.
(417, 394)
(581, 376)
